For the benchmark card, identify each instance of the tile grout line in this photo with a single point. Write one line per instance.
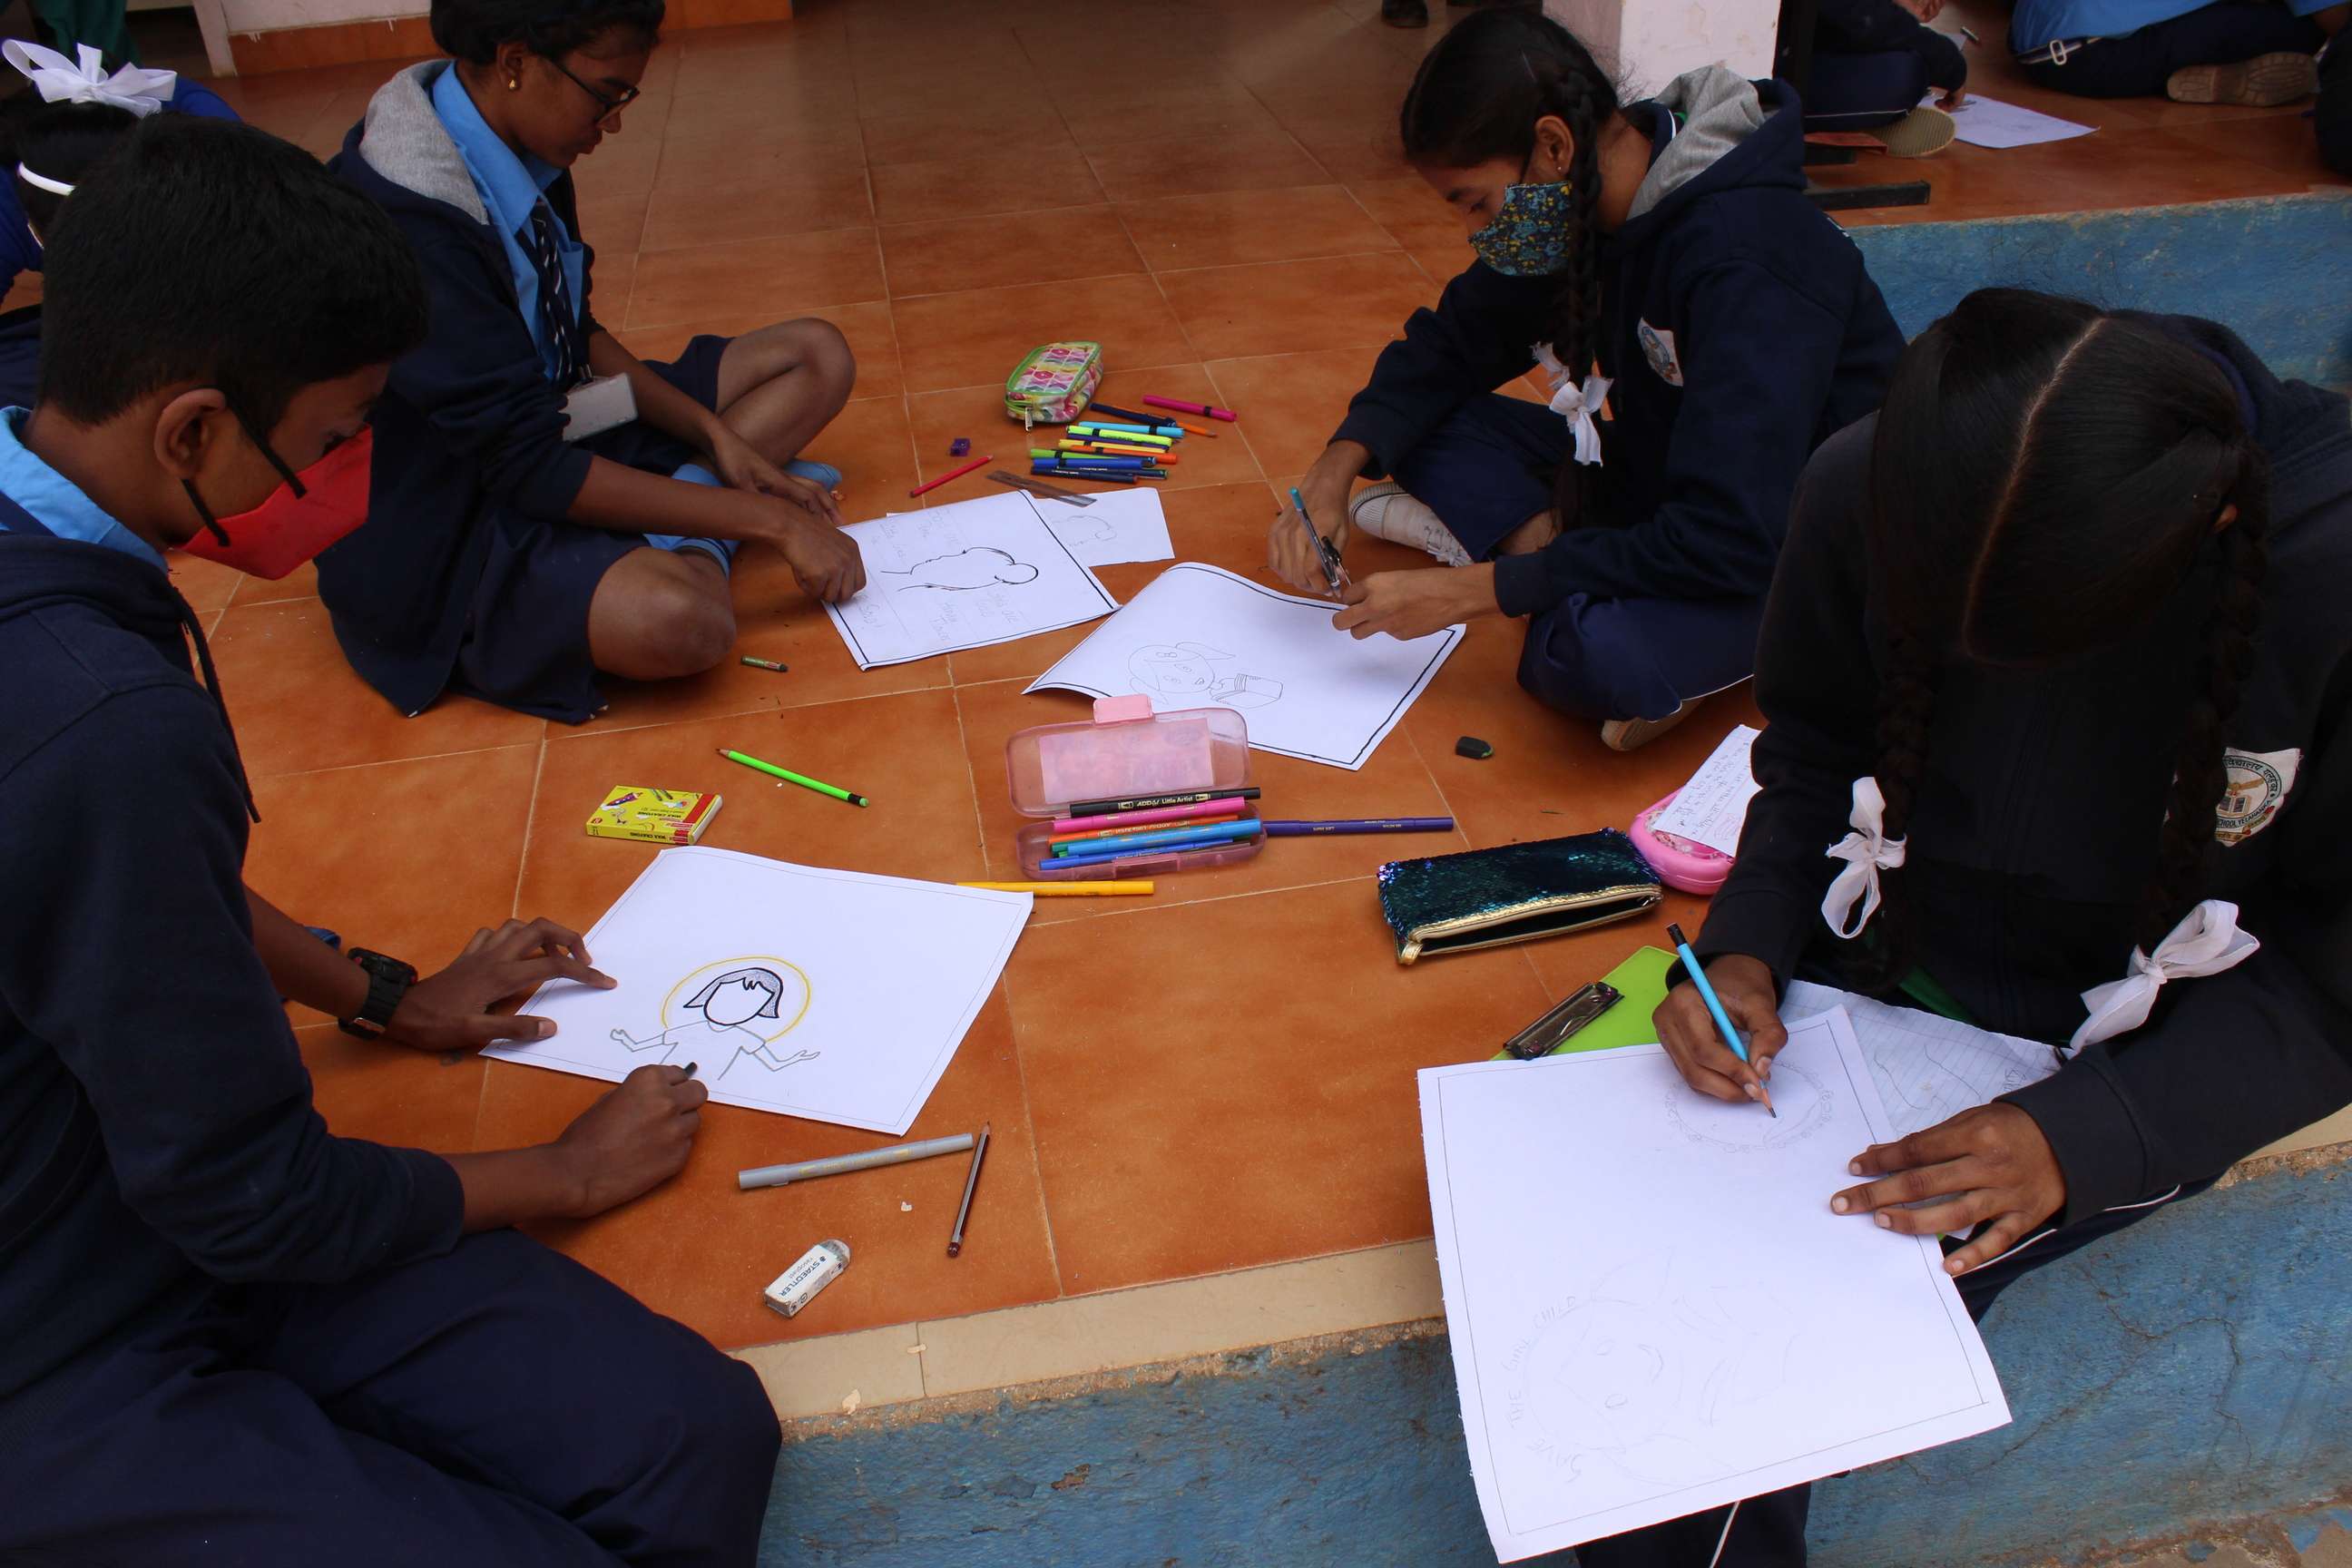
(394, 762)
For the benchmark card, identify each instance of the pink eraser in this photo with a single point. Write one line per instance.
(1680, 863)
(1123, 709)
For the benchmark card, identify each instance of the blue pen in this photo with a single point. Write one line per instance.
(1178, 838)
(1333, 573)
(1715, 1005)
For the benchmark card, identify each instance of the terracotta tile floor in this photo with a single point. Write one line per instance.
(1218, 1077)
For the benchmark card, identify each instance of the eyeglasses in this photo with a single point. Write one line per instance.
(607, 104)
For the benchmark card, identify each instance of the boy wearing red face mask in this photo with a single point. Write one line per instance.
(308, 1348)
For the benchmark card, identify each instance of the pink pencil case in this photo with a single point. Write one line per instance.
(1126, 752)
(1680, 863)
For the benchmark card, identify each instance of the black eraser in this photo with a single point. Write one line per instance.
(1472, 746)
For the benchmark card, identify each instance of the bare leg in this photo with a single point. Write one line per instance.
(1531, 536)
(660, 614)
(781, 384)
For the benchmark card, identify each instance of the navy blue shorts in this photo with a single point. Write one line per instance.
(527, 640)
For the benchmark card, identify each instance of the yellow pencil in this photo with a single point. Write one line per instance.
(1064, 889)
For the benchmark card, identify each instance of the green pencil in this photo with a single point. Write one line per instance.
(791, 777)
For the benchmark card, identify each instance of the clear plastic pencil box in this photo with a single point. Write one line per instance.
(1128, 753)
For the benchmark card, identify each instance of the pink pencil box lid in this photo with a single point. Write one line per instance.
(1126, 752)
(1680, 863)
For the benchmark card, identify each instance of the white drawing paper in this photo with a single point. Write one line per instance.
(1120, 527)
(1652, 1309)
(1713, 806)
(1927, 1068)
(1201, 636)
(808, 991)
(959, 577)
(1988, 122)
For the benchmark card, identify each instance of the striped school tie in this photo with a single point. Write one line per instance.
(555, 310)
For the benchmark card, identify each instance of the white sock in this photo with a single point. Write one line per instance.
(1386, 511)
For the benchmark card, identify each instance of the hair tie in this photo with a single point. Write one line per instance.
(61, 80)
(2206, 941)
(1866, 852)
(1575, 403)
(43, 183)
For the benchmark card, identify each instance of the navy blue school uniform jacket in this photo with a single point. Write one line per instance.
(2035, 834)
(1883, 26)
(156, 1131)
(1741, 327)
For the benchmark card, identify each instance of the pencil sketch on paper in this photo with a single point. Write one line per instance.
(1743, 1128)
(1189, 672)
(736, 1008)
(978, 566)
(1637, 1377)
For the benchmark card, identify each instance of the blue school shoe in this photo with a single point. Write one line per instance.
(823, 474)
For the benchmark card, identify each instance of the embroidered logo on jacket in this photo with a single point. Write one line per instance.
(2259, 783)
(1658, 347)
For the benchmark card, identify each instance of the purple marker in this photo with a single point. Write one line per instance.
(1361, 824)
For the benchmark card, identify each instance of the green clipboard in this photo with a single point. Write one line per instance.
(1642, 981)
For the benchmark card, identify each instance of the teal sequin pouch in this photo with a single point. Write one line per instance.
(1514, 892)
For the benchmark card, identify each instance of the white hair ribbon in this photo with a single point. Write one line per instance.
(1575, 403)
(61, 80)
(2206, 941)
(43, 183)
(1866, 852)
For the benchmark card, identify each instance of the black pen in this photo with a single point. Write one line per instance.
(970, 1184)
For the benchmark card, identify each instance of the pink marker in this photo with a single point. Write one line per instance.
(1229, 807)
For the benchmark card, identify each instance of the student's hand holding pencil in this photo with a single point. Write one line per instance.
(1289, 553)
(825, 561)
(1744, 986)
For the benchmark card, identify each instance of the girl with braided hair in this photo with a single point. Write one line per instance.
(1703, 326)
(2058, 646)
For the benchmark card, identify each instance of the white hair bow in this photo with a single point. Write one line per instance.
(1866, 852)
(61, 80)
(1575, 403)
(2206, 941)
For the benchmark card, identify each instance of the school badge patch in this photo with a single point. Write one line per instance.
(2259, 783)
(1658, 347)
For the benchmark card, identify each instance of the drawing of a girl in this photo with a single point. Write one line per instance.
(729, 1005)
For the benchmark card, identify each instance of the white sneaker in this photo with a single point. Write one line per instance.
(1385, 512)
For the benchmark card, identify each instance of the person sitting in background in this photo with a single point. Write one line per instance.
(520, 546)
(49, 134)
(1874, 61)
(2251, 52)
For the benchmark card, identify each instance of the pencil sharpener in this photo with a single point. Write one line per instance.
(960, 448)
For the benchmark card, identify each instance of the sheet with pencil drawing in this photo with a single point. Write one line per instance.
(1927, 1068)
(1651, 1308)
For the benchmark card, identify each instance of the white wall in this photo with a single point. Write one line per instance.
(264, 15)
(1651, 42)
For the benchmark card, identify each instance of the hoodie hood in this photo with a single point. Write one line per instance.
(404, 143)
(40, 572)
(1715, 130)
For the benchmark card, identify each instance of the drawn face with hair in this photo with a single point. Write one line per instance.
(1620, 1367)
(1174, 669)
(739, 996)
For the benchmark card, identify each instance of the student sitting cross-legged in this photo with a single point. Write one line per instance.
(504, 561)
(227, 1335)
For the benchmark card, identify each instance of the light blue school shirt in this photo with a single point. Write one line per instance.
(511, 184)
(2037, 23)
(58, 503)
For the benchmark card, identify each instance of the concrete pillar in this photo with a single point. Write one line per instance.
(1651, 42)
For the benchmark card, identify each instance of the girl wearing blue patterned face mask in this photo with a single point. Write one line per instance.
(1700, 328)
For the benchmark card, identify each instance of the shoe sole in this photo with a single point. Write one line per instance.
(2263, 83)
(1922, 132)
(1632, 734)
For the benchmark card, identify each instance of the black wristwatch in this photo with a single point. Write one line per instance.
(388, 982)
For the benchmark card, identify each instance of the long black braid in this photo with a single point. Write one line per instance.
(2044, 476)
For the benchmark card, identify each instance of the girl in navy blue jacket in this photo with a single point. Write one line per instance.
(1734, 328)
(502, 559)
